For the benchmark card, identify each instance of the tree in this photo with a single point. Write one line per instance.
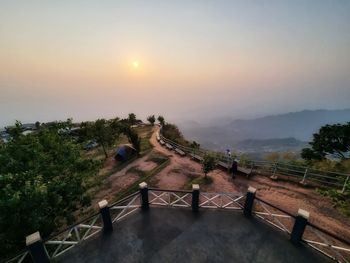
(208, 164)
(133, 138)
(43, 180)
(161, 120)
(104, 132)
(151, 119)
(195, 145)
(330, 140)
(132, 119)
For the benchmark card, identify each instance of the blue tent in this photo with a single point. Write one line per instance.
(124, 152)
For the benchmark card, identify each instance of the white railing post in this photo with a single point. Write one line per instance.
(36, 248)
(274, 176)
(303, 181)
(345, 183)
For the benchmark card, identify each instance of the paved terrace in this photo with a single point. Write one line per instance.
(178, 235)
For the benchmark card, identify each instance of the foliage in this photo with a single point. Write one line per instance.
(43, 180)
(208, 164)
(195, 145)
(133, 138)
(132, 119)
(161, 120)
(102, 131)
(201, 181)
(273, 157)
(172, 132)
(330, 140)
(151, 119)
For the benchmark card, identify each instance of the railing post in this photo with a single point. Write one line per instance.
(144, 196)
(36, 248)
(345, 183)
(299, 226)
(195, 197)
(303, 181)
(249, 201)
(274, 176)
(106, 216)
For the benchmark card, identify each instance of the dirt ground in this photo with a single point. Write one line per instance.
(287, 195)
(181, 170)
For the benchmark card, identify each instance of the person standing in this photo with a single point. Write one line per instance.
(234, 168)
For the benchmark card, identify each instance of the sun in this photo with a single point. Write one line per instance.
(135, 64)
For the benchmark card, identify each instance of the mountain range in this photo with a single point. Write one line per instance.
(290, 130)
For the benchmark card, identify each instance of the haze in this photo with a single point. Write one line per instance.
(195, 60)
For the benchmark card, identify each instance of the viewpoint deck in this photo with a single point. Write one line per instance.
(178, 235)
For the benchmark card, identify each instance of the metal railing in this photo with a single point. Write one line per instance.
(125, 207)
(221, 200)
(329, 244)
(302, 174)
(275, 216)
(170, 198)
(317, 238)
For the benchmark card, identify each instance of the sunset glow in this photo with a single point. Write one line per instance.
(135, 64)
(236, 57)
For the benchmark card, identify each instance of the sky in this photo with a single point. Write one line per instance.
(182, 59)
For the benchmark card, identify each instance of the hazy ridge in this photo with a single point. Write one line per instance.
(283, 131)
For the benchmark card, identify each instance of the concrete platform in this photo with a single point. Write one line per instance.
(177, 235)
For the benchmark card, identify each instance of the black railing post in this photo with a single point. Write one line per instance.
(36, 248)
(144, 196)
(299, 226)
(195, 197)
(106, 216)
(249, 201)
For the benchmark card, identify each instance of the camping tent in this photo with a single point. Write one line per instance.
(124, 152)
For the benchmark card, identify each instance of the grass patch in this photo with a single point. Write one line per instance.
(136, 171)
(201, 180)
(145, 178)
(156, 158)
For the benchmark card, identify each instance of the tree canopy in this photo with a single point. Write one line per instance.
(330, 140)
(151, 119)
(104, 132)
(209, 164)
(43, 180)
(161, 120)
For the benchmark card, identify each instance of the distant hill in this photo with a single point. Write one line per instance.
(299, 125)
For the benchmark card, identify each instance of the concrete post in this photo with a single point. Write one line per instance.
(144, 196)
(36, 248)
(299, 226)
(249, 201)
(106, 216)
(195, 197)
